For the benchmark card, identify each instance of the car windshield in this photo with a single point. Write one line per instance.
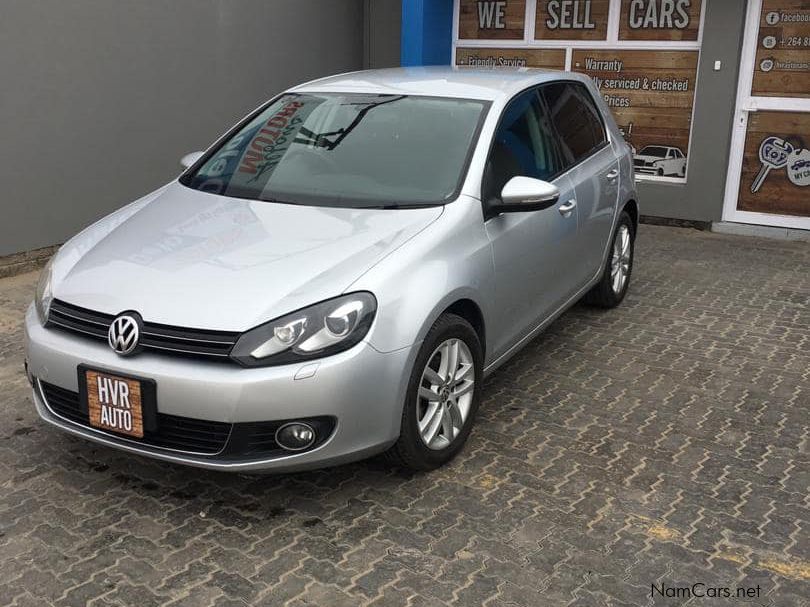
(346, 150)
(654, 150)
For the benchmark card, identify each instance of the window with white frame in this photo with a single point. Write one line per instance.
(642, 54)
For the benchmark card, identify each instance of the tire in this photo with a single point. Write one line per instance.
(605, 294)
(660, 172)
(411, 450)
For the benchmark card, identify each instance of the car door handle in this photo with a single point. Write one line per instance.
(566, 209)
(612, 175)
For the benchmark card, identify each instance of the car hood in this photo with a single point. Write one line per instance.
(192, 259)
(648, 158)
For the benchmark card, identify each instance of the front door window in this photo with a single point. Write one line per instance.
(523, 146)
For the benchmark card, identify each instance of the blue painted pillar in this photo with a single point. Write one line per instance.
(427, 31)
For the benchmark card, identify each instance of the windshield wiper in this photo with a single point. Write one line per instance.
(279, 201)
(322, 140)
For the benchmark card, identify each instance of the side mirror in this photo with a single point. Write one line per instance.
(522, 194)
(189, 159)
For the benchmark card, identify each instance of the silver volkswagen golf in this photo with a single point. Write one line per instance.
(336, 275)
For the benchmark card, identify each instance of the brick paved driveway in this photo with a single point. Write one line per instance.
(666, 442)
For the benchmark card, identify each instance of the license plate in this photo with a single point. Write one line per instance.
(115, 403)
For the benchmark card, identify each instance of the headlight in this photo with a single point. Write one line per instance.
(44, 296)
(320, 330)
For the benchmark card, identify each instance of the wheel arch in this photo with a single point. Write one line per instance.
(471, 312)
(463, 302)
(631, 206)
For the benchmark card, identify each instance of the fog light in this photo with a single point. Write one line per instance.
(295, 436)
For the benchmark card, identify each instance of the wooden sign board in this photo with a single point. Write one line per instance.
(115, 403)
(775, 174)
(491, 19)
(782, 63)
(511, 57)
(571, 19)
(667, 20)
(651, 94)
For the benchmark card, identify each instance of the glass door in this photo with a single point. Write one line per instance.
(768, 180)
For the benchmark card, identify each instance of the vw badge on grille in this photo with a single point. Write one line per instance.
(124, 334)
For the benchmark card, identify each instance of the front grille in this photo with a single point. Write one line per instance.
(173, 432)
(163, 338)
(203, 437)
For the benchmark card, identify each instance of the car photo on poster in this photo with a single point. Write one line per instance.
(660, 161)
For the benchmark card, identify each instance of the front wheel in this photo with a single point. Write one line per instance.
(612, 286)
(443, 395)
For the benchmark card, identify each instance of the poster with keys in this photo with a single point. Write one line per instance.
(776, 164)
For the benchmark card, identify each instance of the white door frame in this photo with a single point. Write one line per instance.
(746, 103)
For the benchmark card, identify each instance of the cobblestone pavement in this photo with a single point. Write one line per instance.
(666, 442)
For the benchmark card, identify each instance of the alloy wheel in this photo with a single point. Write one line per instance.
(445, 394)
(620, 261)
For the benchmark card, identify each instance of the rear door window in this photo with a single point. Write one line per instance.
(576, 120)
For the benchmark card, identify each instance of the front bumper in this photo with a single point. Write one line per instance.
(362, 389)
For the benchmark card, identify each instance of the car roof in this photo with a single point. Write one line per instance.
(439, 81)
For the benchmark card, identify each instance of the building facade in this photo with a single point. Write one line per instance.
(712, 95)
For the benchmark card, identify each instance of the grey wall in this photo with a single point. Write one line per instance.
(701, 198)
(100, 98)
(383, 33)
